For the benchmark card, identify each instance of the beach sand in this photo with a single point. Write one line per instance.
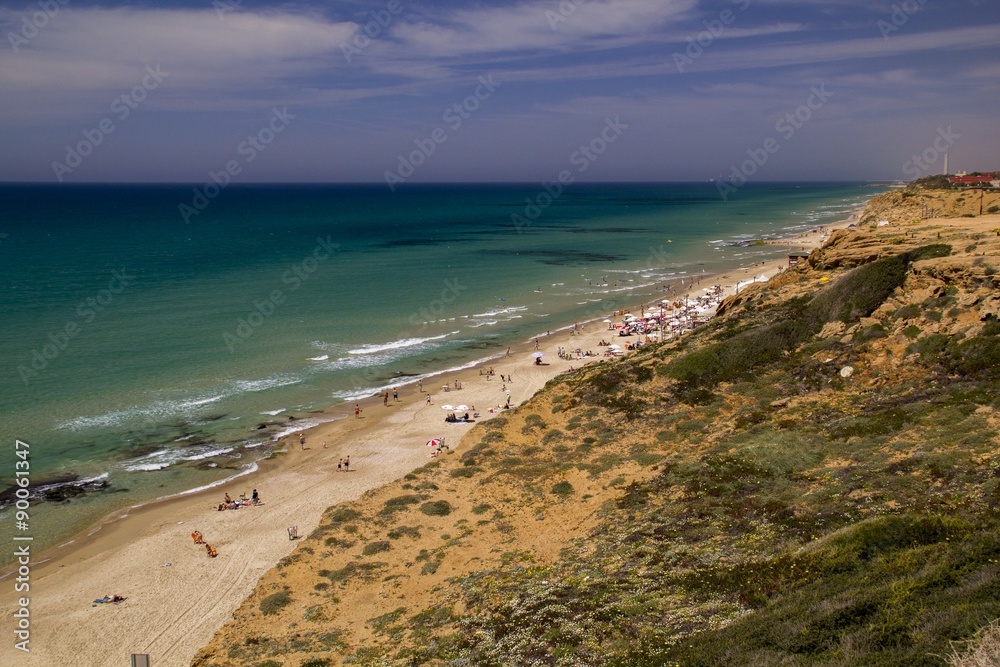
(177, 597)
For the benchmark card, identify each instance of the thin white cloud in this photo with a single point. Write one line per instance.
(536, 26)
(97, 48)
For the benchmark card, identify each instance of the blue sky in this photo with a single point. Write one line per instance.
(497, 90)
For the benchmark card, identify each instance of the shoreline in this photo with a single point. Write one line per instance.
(146, 554)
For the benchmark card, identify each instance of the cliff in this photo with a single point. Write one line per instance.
(811, 478)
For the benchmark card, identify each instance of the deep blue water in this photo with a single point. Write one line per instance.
(145, 350)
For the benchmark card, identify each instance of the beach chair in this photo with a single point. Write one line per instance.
(293, 532)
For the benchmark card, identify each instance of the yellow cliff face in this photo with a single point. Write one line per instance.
(826, 491)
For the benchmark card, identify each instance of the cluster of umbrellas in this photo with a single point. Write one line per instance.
(455, 408)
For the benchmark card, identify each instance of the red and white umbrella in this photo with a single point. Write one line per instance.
(434, 442)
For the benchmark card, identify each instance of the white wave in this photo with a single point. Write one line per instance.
(322, 358)
(373, 348)
(272, 412)
(300, 425)
(209, 454)
(194, 403)
(502, 311)
(252, 468)
(85, 480)
(265, 383)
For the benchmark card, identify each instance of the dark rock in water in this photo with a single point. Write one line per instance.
(291, 417)
(57, 490)
(261, 426)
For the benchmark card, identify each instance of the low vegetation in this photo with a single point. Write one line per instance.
(811, 479)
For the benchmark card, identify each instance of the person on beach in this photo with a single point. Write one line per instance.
(357, 411)
(340, 465)
(428, 399)
(536, 343)
(395, 394)
(347, 464)
(420, 385)
(385, 399)
(254, 497)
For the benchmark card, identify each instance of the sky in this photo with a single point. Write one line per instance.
(405, 91)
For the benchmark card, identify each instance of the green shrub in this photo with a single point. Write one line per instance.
(398, 504)
(482, 508)
(373, 548)
(553, 434)
(343, 514)
(465, 472)
(436, 508)
(275, 602)
(317, 662)
(404, 531)
(563, 489)
(929, 346)
(907, 312)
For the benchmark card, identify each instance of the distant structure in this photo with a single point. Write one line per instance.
(946, 163)
(977, 179)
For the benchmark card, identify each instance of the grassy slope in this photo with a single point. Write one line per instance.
(729, 499)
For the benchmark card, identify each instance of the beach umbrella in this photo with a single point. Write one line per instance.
(434, 442)
(607, 321)
(538, 355)
(447, 407)
(461, 408)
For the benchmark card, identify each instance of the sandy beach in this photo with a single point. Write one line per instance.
(177, 597)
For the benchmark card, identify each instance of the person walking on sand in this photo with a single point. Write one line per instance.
(347, 464)
(357, 411)
(385, 399)
(395, 394)
(340, 465)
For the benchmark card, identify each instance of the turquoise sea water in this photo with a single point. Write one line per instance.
(144, 351)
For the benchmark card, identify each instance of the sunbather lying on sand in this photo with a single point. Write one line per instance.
(109, 599)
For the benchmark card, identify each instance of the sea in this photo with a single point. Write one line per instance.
(150, 349)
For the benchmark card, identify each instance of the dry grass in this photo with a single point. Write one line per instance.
(983, 650)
